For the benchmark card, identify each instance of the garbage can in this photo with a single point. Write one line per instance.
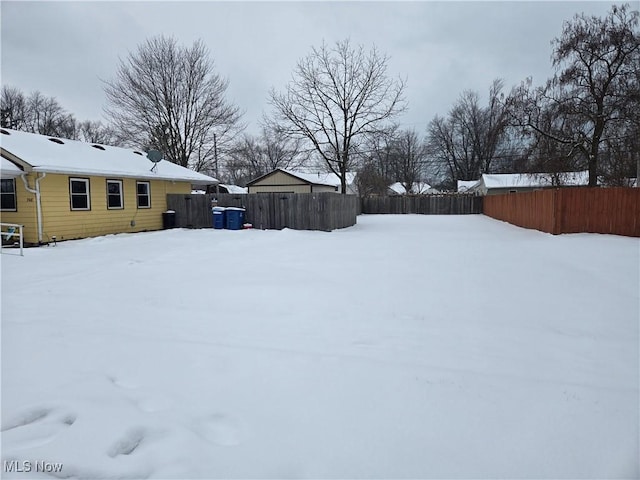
(218, 217)
(234, 218)
(169, 219)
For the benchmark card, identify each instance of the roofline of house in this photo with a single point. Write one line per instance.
(307, 182)
(28, 168)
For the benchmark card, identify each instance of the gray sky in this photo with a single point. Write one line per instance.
(64, 49)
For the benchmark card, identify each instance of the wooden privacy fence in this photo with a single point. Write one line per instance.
(423, 204)
(299, 211)
(192, 211)
(570, 210)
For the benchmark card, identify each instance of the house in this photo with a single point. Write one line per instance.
(418, 188)
(465, 185)
(495, 184)
(281, 180)
(69, 189)
(233, 189)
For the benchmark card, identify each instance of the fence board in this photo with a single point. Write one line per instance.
(422, 204)
(300, 211)
(570, 210)
(192, 211)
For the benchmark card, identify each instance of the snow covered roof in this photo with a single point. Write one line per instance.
(41, 153)
(316, 178)
(9, 169)
(417, 188)
(234, 188)
(464, 185)
(321, 178)
(507, 180)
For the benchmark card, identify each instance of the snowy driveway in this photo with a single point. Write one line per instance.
(405, 347)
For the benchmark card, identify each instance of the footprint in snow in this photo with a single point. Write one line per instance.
(25, 418)
(128, 443)
(35, 427)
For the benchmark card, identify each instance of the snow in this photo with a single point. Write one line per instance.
(489, 352)
(464, 185)
(234, 189)
(417, 188)
(9, 169)
(74, 157)
(506, 180)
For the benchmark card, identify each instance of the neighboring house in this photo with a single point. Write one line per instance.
(465, 185)
(494, 184)
(418, 188)
(280, 180)
(71, 189)
(224, 188)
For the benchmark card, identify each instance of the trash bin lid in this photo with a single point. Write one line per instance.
(219, 209)
(170, 211)
(236, 209)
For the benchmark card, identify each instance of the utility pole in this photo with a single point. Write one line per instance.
(215, 154)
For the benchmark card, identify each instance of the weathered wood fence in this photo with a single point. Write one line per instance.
(423, 204)
(192, 211)
(570, 210)
(299, 211)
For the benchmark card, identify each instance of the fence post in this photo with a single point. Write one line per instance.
(557, 212)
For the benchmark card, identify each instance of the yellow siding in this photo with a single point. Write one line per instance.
(63, 223)
(26, 210)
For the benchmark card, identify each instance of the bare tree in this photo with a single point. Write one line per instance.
(593, 97)
(96, 132)
(169, 98)
(13, 108)
(408, 159)
(252, 156)
(468, 141)
(337, 97)
(44, 115)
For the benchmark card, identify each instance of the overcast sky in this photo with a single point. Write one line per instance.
(65, 49)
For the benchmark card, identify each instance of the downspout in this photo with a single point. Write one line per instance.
(38, 203)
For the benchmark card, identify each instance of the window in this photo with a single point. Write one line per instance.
(8, 195)
(114, 194)
(79, 193)
(144, 194)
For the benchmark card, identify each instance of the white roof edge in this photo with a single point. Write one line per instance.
(102, 173)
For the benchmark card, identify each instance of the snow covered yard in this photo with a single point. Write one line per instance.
(404, 347)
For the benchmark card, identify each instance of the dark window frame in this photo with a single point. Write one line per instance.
(145, 195)
(120, 193)
(13, 194)
(87, 194)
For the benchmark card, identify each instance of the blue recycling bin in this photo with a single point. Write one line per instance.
(234, 218)
(218, 217)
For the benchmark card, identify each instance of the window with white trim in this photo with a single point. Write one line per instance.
(8, 195)
(143, 193)
(79, 194)
(114, 195)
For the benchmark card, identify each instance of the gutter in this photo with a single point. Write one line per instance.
(36, 191)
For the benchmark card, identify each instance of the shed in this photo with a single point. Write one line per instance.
(495, 184)
(280, 180)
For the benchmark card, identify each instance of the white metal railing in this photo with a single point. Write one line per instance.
(13, 230)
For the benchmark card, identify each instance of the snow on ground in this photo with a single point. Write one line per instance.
(404, 347)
